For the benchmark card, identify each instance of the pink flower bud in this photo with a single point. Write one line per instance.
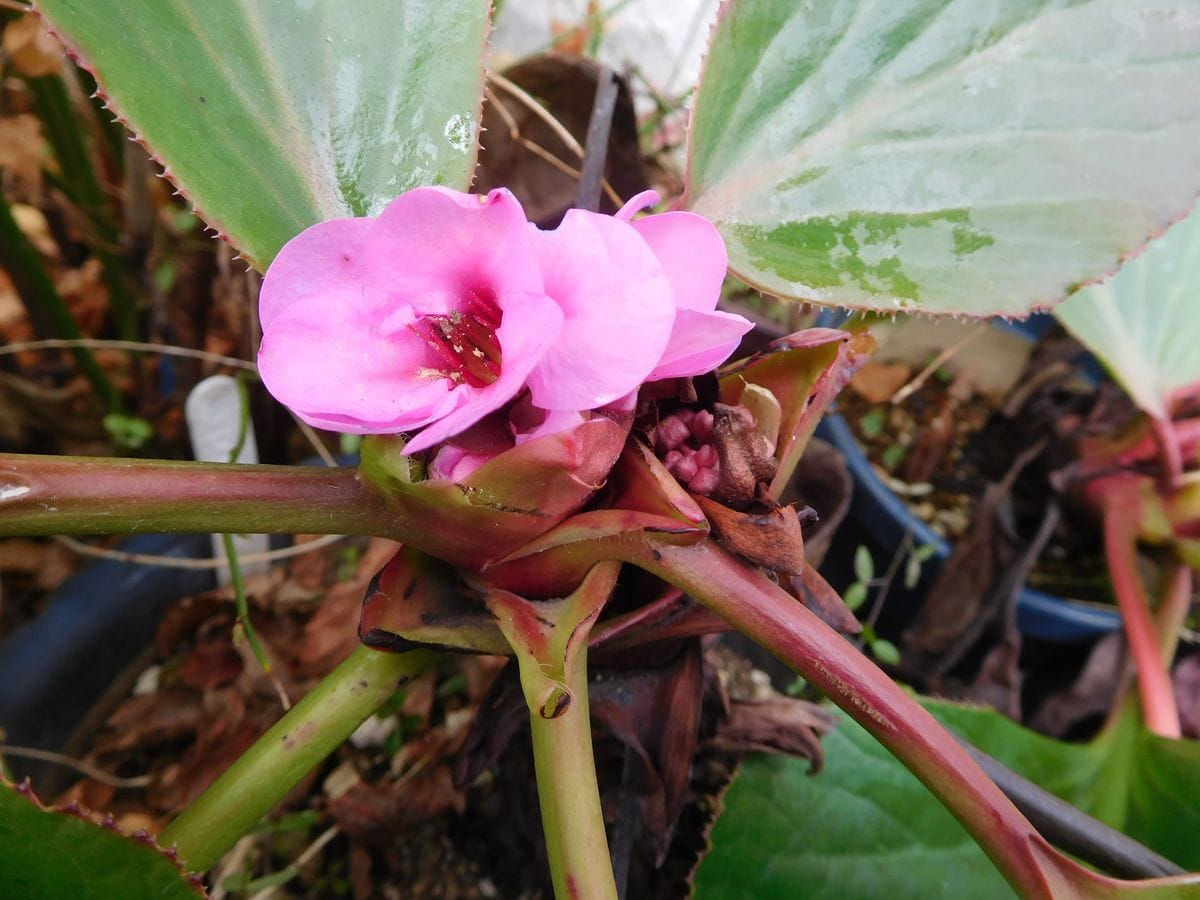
(682, 464)
(672, 432)
(705, 481)
(706, 457)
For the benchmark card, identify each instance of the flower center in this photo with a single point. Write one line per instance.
(465, 341)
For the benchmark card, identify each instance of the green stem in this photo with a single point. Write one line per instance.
(781, 624)
(242, 603)
(81, 495)
(297, 743)
(573, 822)
(47, 310)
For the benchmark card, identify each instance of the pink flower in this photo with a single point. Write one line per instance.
(693, 256)
(445, 307)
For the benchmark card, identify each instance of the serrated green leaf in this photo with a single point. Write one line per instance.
(862, 829)
(49, 855)
(1144, 785)
(275, 114)
(944, 155)
(1144, 322)
(865, 827)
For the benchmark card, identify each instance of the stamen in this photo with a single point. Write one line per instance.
(465, 342)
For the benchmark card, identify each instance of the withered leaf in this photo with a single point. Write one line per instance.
(747, 457)
(769, 538)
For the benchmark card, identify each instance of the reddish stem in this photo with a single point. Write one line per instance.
(79, 495)
(1121, 513)
(1170, 452)
(1172, 610)
(774, 619)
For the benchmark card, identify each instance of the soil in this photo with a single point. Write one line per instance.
(946, 442)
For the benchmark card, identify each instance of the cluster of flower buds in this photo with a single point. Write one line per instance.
(684, 441)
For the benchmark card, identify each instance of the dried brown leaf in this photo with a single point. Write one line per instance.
(31, 49)
(770, 537)
(21, 154)
(876, 382)
(779, 725)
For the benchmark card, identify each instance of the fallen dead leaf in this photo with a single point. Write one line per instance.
(147, 719)
(21, 555)
(1090, 695)
(84, 291)
(373, 813)
(212, 663)
(778, 725)
(31, 49)
(34, 226)
(21, 149)
(332, 633)
(12, 310)
(876, 382)
(89, 793)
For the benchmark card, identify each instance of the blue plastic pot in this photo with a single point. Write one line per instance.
(55, 668)
(883, 516)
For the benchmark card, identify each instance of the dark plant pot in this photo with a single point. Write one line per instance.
(885, 519)
(55, 669)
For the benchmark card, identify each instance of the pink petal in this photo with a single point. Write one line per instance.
(635, 205)
(433, 246)
(531, 325)
(552, 422)
(617, 308)
(691, 253)
(322, 261)
(700, 341)
(336, 368)
(455, 464)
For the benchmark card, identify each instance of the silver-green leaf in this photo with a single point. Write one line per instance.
(970, 156)
(271, 115)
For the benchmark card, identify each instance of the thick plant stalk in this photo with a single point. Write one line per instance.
(78, 495)
(782, 625)
(572, 820)
(550, 640)
(307, 733)
(1153, 678)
